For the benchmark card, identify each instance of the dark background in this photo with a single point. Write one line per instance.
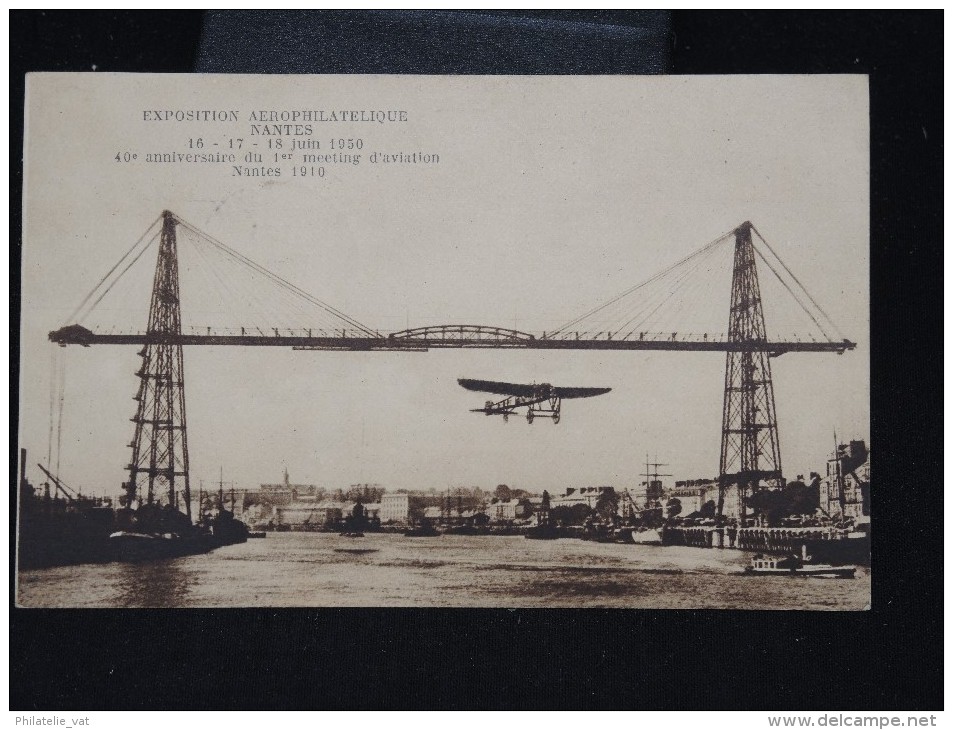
(887, 658)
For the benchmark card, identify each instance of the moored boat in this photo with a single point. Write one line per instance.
(795, 565)
(225, 528)
(60, 527)
(133, 546)
(828, 544)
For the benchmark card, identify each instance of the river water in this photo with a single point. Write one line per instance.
(310, 569)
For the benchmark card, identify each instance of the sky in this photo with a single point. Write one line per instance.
(551, 195)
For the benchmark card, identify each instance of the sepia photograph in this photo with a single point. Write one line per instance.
(445, 341)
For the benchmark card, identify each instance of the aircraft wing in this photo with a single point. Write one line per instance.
(579, 392)
(490, 386)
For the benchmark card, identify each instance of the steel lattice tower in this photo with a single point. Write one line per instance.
(750, 452)
(160, 453)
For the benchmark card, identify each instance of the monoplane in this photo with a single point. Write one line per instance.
(541, 400)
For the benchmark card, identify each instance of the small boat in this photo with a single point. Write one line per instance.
(352, 534)
(260, 533)
(795, 565)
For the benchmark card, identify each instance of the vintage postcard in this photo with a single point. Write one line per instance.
(445, 341)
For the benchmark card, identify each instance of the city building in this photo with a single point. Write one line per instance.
(732, 505)
(504, 510)
(257, 515)
(401, 508)
(588, 496)
(286, 492)
(313, 514)
(433, 513)
(846, 488)
(536, 503)
(694, 493)
(476, 516)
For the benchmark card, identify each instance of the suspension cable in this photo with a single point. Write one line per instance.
(132, 263)
(680, 281)
(629, 291)
(61, 387)
(72, 317)
(49, 444)
(792, 293)
(791, 274)
(283, 282)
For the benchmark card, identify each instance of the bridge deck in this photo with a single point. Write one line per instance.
(420, 340)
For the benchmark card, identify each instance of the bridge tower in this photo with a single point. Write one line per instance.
(750, 452)
(160, 452)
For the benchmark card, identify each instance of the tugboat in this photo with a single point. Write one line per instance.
(795, 565)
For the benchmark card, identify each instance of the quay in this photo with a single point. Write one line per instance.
(828, 544)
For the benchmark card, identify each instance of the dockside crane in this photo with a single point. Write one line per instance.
(61, 486)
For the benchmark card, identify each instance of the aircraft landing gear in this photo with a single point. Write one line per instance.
(540, 400)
